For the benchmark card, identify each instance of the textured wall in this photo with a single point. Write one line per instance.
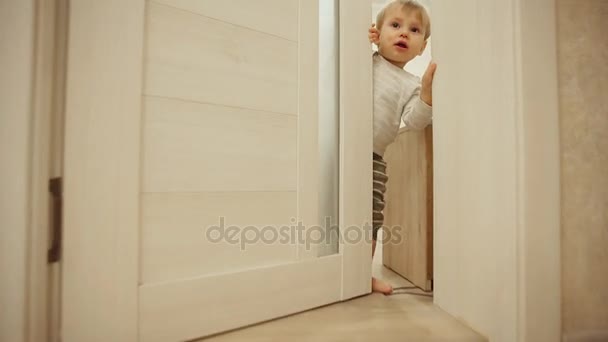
(583, 91)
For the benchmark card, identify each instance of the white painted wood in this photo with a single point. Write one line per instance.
(496, 168)
(539, 226)
(56, 152)
(475, 167)
(355, 147)
(46, 92)
(27, 102)
(179, 238)
(308, 131)
(102, 181)
(192, 57)
(276, 17)
(17, 24)
(200, 147)
(208, 305)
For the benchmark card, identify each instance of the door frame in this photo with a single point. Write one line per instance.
(35, 157)
(538, 236)
(19, 152)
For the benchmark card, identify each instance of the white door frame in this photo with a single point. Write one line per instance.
(32, 63)
(18, 153)
(538, 241)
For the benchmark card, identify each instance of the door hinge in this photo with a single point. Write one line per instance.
(56, 190)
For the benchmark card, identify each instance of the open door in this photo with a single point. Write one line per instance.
(408, 248)
(192, 166)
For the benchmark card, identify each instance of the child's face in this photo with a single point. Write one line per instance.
(401, 36)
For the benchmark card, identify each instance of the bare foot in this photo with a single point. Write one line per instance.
(380, 286)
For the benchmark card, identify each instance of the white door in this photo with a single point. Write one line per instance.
(184, 116)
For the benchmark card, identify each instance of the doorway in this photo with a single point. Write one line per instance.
(486, 166)
(407, 235)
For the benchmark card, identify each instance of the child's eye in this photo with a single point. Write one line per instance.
(395, 25)
(415, 30)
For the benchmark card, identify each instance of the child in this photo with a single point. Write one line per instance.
(403, 27)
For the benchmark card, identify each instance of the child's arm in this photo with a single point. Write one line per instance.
(418, 111)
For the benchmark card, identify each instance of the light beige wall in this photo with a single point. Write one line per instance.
(16, 58)
(583, 86)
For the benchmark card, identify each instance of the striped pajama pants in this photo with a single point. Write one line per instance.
(379, 189)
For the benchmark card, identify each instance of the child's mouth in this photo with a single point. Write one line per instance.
(401, 45)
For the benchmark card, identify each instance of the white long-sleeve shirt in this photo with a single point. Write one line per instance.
(396, 98)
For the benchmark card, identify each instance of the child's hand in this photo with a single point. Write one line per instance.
(374, 35)
(426, 91)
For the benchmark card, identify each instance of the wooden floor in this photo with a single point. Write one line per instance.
(408, 315)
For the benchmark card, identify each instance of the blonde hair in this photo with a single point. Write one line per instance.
(411, 5)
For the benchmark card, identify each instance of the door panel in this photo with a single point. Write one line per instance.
(223, 139)
(193, 57)
(190, 146)
(184, 310)
(280, 16)
(408, 249)
(176, 231)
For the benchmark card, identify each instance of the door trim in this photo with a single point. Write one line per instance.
(538, 233)
(355, 145)
(102, 171)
